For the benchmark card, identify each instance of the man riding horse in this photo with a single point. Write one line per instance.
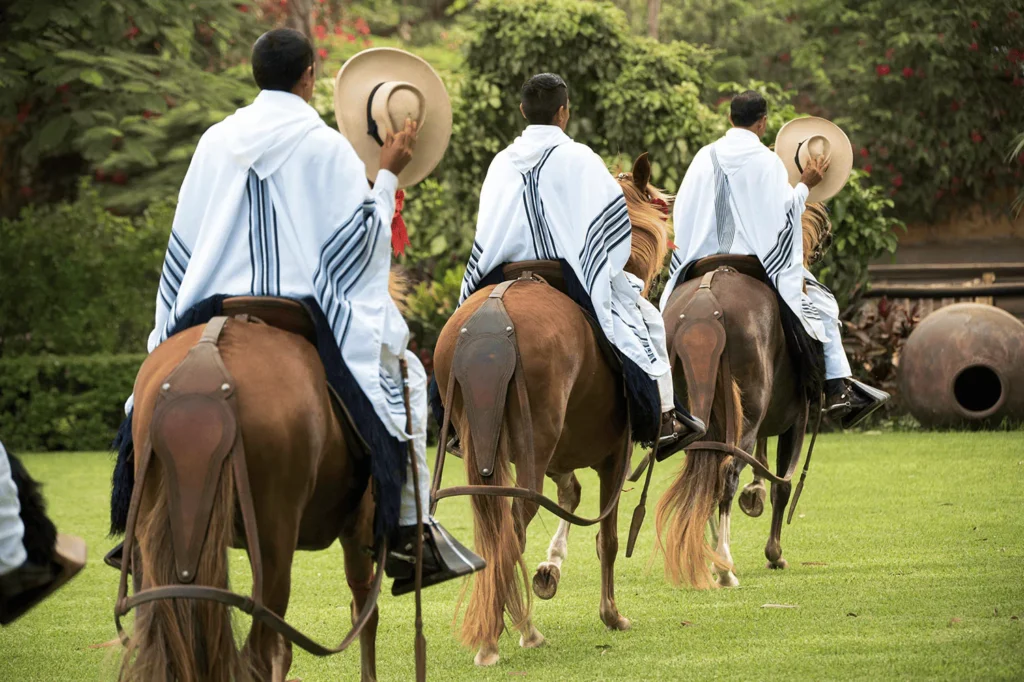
(547, 197)
(277, 204)
(736, 198)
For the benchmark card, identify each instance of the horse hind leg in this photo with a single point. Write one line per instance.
(790, 444)
(268, 654)
(549, 572)
(359, 572)
(754, 493)
(721, 530)
(523, 512)
(608, 546)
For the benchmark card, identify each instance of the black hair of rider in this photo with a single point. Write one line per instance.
(748, 108)
(542, 96)
(279, 58)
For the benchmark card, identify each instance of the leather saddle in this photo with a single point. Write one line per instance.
(745, 265)
(291, 316)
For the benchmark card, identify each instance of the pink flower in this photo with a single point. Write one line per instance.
(321, 31)
(897, 180)
(131, 32)
(976, 137)
(974, 24)
(974, 46)
(322, 52)
(864, 152)
(882, 69)
(908, 72)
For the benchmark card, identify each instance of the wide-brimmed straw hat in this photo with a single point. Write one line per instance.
(803, 139)
(376, 91)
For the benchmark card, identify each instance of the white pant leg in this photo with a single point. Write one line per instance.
(418, 401)
(12, 530)
(656, 329)
(836, 364)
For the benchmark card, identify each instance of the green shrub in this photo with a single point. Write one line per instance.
(64, 403)
(76, 279)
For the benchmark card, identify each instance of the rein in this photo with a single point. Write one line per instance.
(206, 352)
(524, 464)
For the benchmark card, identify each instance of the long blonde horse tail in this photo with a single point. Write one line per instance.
(502, 587)
(684, 509)
(185, 640)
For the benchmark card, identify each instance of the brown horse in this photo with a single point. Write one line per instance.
(578, 418)
(776, 375)
(310, 483)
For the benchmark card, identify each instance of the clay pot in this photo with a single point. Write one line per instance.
(964, 366)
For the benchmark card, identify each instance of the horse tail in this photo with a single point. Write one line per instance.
(497, 589)
(185, 640)
(684, 509)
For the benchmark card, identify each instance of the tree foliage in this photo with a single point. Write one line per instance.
(118, 89)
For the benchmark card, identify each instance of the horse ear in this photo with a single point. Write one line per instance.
(642, 172)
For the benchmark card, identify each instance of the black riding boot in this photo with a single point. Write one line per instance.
(678, 429)
(444, 558)
(850, 402)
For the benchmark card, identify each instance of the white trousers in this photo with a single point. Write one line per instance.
(836, 364)
(656, 329)
(12, 530)
(418, 401)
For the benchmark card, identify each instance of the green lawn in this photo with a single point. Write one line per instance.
(906, 561)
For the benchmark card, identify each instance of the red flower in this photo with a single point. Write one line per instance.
(976, 137)
(350, 37)
(835, 30)
(321, 31)
(362, 26)
(864, 152)
(974, 24)
(63, 87)
(322, 52)
(243, 8)
(25, 191)
(147, 114)
(956, 179)
(908, 72)
(897, 180)
(938, 194)
(100, 175)
(891, 168)
(1013, 15)
(119, 178)
(784, 58)
(1017, 82)
(955, 105)
(338, 30)
(944, 144)
(367, 42)
(867, 169)
(974, 46)
(131, 32)
(882, 69)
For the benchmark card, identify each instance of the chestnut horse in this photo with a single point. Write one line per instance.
(578, 416)
(309, 479)
(776, 372)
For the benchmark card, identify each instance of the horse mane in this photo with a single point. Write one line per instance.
(650, 229)
(817, 233)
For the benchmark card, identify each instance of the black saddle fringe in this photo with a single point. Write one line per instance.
(806, 354)
(388, 456)
(641, 390)
(40, 533)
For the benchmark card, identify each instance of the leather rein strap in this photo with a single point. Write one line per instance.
(525, 464)
(207, 350)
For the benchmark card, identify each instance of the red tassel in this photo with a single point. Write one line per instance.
(399, 233)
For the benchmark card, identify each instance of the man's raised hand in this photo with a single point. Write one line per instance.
(815, 171)
(397, 151)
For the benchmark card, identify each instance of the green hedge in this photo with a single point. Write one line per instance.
(64, 402)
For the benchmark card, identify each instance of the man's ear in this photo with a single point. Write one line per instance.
(521, 110)
(642, 173)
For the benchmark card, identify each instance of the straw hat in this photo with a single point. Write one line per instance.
(375, 91)
(802, 139)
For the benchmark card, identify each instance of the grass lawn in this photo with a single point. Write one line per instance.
(906, 561)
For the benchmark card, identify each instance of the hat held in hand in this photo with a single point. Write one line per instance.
(376, 91)
(803, 139)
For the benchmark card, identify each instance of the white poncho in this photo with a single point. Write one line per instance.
(276, 203)
(549, 198)
(736, 198)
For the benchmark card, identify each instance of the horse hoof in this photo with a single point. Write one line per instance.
(752, 500)
(777, 565)
(619, 624)
(728, 580)
(487, 658)
(545, 580)
(535, 640)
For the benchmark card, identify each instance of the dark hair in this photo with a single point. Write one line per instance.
(748, 108)
(279, 58)
(542, 96)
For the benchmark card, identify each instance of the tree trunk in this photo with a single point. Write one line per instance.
(300, 17)
(653, 10)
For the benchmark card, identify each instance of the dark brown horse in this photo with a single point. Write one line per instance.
(578, 419)
(768, 376)
(310, 484)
